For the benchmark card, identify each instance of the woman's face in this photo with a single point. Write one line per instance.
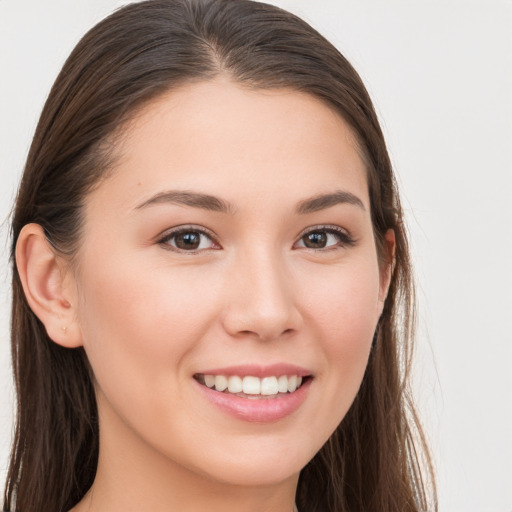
(231, 245)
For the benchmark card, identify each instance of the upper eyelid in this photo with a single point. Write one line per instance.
(346, 239)
(324, 227)
(205, 230)
(169, 233)
(184, 228)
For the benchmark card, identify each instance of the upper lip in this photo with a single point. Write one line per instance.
(260, 371)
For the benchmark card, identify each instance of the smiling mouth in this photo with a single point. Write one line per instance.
(251, 387)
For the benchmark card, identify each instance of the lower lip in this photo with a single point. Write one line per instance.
(263, 410)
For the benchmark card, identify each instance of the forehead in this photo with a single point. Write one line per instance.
(228, 140)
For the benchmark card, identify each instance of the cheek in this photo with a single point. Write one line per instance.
(146, 304)
(140, 323)
(344, 315)
(346, 306)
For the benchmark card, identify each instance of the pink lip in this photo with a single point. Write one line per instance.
(259, 371)
(265, 410)
(262, 411)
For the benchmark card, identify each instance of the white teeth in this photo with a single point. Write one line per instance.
(249, 385)
(234, 384)
(292, 383)
(282, 384)
(221, 382)
(209, 380)
(269, 386)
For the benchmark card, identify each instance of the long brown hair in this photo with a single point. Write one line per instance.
(377, 459)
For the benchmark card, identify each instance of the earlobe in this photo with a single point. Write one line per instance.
(44, 277)
(388, 264)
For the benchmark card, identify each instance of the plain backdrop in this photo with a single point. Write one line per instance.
(440, 74)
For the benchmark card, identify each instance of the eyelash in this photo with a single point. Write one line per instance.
(344, 238)
(170, 235)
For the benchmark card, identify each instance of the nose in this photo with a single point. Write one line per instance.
(262, 300)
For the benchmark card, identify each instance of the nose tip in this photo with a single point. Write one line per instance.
(263, 307)
(241, 321)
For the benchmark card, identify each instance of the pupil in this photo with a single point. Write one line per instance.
(316, 240)
(188, 240)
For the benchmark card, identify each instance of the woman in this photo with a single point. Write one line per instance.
(212, 298)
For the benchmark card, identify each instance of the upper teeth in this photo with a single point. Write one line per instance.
(254, 385)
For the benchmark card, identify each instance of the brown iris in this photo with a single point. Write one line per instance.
(315, 240)
(188, 240)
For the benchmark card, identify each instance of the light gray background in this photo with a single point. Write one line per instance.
(441, 77)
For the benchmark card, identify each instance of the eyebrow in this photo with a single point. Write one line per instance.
(215, 204)
(324, 201)
(187, 198)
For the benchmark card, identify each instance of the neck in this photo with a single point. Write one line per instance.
(173, 492)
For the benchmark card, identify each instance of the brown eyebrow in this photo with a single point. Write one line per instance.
(187, 198)
(323, 201)
(212, 203)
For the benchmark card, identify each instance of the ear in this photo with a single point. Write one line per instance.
(387, 265)
(48, 286)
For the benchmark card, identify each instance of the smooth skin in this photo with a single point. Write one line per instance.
(263, 281)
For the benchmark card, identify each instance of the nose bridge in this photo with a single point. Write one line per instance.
(262, 300)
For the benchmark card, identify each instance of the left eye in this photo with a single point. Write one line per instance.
(188, 240)
(323, 238)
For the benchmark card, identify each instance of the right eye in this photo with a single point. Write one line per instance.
(188, 240)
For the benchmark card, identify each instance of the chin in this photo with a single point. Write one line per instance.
(249, 475)
(258, 467)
